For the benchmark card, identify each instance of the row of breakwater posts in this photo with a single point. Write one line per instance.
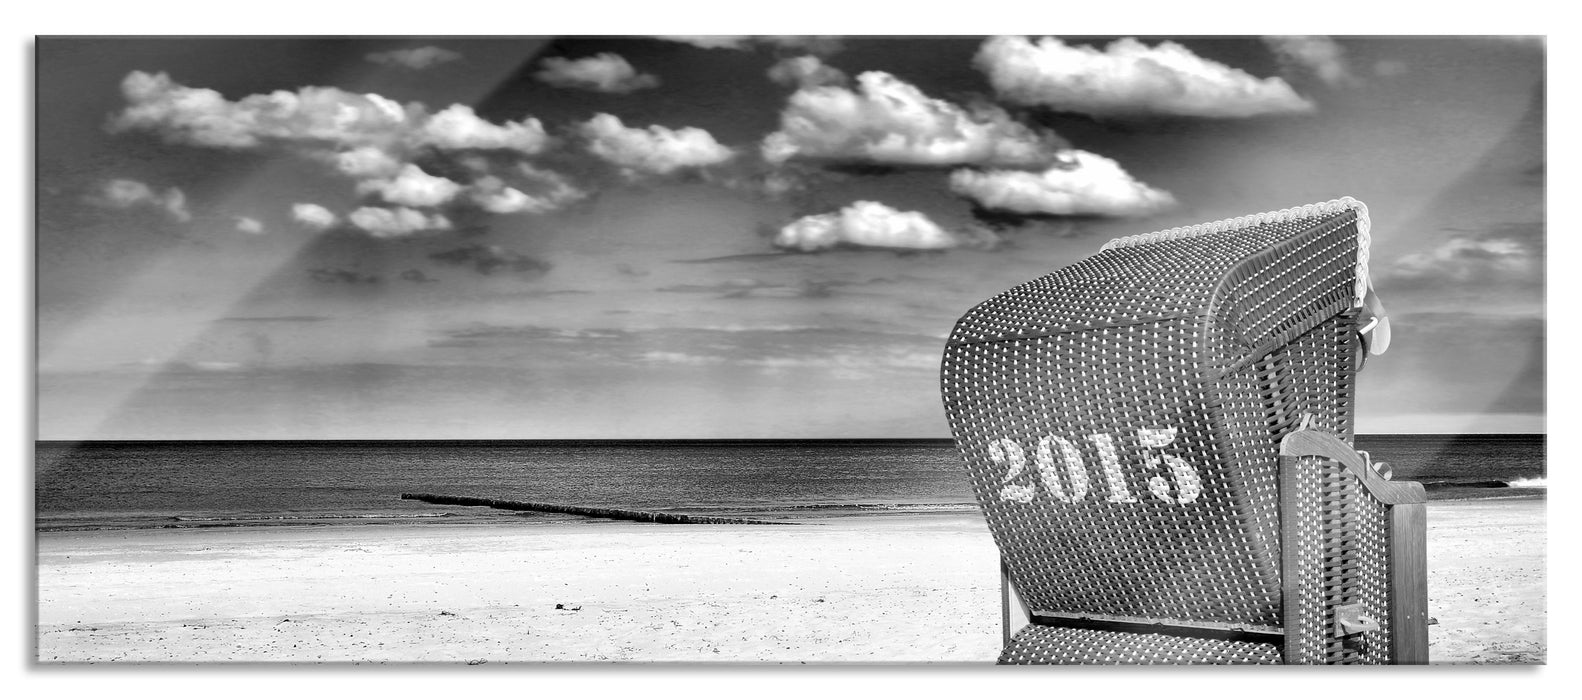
(612, 513)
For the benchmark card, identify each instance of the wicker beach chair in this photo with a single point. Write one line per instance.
(1159, 436)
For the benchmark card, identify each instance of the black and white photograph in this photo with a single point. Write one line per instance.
(837, 349)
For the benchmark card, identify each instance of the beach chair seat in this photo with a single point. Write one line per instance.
(1159, 437)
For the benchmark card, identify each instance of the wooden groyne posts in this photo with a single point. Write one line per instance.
(613, 513)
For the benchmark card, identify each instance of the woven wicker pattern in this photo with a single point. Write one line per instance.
(1056, 645)
(1120, 418)
(1372, 581)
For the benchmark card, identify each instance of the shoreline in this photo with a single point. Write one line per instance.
(907, 588)
(481, 515)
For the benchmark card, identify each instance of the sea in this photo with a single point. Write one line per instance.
(201, 484)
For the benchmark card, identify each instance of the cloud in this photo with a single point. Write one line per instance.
(372, 140)
(397, 223)
(313, 216)
(413, 188)
(864, 224)
(1514, 256)
(457, 127)
(606, 72)
(656, 149)
(488, 259)
(1083, 184)
(805, 71)
(1129, 78)
(366, 161)
(127, 194)
(249, 225)
(204, 117)
(416, 59)
(889, 121)
(1318, 54)
(550, 191)
(316, 117)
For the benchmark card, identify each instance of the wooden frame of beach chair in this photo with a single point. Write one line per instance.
(1159, 437)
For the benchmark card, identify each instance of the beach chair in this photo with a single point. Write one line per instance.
(1160, 439)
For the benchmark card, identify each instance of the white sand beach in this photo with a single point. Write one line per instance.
(858, 590)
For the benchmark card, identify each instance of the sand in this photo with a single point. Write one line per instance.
(860, 590)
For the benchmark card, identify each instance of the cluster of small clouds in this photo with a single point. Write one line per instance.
(888, 121)
(1128, 77)
(366, 137)
(123, 193)
(309, 117)
(412, 166)
(605, 72)
(1001, 164)
(379, 144)
(419, 58)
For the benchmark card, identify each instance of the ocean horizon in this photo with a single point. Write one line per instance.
(141, 484)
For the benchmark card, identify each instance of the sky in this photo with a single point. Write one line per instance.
(726, 236)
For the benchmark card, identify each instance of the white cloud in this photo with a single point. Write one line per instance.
(606, 72)
(311, 117)
(886, 120)
(397, 223)
(549, 191)
(1084, 183)
(412, 187)
(249, 225)
(366, 137)
(366, 162)
(313, 216)
(656, 149)
(865, 224)
(204, 117)
(1319, 54)
(417, 59)
(1128, 77)
(805, 71)
(126, 194)
(457, 127)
